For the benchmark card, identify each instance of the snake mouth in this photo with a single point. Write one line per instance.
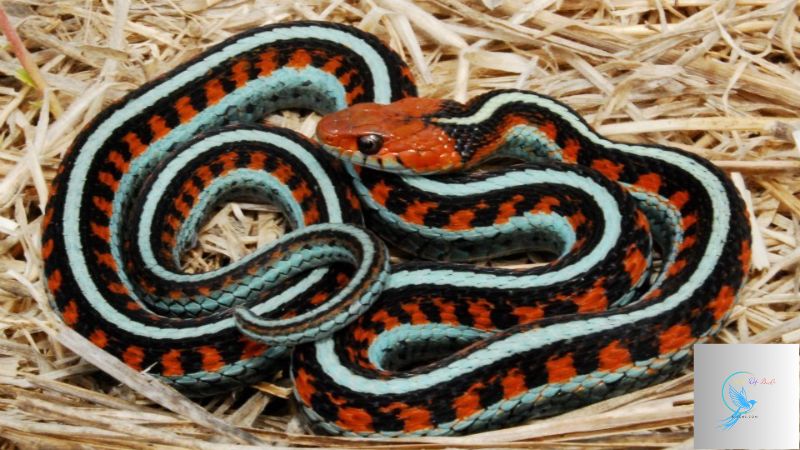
(385, 163)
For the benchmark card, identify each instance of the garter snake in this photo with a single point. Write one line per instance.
(430, 347)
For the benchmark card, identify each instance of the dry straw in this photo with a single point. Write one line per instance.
(718, 78)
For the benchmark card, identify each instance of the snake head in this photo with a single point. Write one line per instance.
(398, 137)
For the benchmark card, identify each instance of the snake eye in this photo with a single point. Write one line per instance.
(370, 144)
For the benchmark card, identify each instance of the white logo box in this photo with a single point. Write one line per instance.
(747, 396)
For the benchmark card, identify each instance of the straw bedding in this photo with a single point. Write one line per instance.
(718, 78)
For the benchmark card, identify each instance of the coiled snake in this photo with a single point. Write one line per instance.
(422, 347)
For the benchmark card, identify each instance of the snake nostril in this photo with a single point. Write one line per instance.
(370, 144)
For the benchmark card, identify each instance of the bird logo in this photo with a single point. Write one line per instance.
(737, 401)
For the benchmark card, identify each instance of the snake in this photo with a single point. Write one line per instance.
(645, 247)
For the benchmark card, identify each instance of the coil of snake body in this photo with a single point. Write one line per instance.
(421, 348)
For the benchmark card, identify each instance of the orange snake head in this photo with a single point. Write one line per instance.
(399, 137)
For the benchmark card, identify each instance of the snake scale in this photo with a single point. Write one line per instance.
(428, 347)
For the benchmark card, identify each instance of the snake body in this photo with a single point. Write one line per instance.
(424, 347)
